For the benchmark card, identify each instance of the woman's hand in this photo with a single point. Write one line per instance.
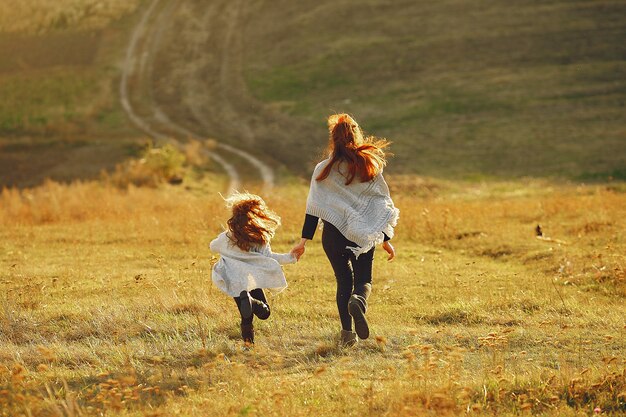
(390, 250)
(298, 250)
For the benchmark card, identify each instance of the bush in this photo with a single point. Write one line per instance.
(156, 165)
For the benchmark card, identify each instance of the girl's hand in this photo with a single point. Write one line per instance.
(298, 250)
(390, 250)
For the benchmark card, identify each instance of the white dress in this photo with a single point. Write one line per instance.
(239, 270)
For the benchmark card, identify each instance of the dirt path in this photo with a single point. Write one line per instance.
(129, 69)
(199, 83)
(146, 86)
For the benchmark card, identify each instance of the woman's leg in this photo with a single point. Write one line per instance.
(362, 268)
(357, 305)
(334, 244)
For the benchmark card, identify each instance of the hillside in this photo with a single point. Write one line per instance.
(463, 89)
(59, 69)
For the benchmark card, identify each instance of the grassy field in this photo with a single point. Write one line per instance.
(59, 114)
(106, 303)
(42, 16)
(464, 90)
(108, 309)
(58, 65)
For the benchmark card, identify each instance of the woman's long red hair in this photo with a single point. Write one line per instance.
(252, 223)
(365, 157)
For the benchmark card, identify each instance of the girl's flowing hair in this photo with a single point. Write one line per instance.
(252, 223)
(366, 157)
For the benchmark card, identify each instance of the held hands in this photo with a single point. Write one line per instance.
(298, 250)
(390, 250)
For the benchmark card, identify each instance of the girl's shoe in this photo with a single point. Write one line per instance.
(348, 338)
(247, 333)
(260, 309)
(245, 304)
(356, 308)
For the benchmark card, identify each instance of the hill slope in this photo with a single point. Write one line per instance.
(463, 90)
(59, 115)
(491, 88)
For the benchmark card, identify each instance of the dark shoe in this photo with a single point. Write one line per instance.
(260, 309)
(356, 308)
(245, 305)
(247, 333)
(348, 338)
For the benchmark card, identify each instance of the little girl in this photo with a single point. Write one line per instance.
(247, 263)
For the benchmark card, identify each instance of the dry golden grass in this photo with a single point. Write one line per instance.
(38, 16)
(107, 307)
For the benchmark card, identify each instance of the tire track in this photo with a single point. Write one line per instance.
(163, 119)
(218, 77)
(265, 171)
(143, 46)
(128, 69)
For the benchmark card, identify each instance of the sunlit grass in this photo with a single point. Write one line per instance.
(108, 306)
(40, 16)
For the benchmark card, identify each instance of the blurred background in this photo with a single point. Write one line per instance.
(465, 90)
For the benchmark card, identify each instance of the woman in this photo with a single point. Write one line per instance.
(350, 196)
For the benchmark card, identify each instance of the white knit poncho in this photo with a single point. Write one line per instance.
(238, 270)
(361, 211)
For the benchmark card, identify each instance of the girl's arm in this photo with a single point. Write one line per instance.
(308, 231)
(298, 250)
(281, 258)
(216, 244)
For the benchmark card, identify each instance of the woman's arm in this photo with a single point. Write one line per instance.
(389, 249)
(310, 226)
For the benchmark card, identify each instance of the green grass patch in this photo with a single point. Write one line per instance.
(292, 82)
(463, 91)
(36, 102)
(617, 174)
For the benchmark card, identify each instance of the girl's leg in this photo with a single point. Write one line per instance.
(334, 244)
(244, 320)
(260, 308)
(247, 330)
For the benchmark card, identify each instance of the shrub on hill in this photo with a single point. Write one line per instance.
(155, 166)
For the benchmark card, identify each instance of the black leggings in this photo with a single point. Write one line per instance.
(354, 276)
(258, 294)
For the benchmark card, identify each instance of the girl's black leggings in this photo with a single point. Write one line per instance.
(354, 276)
(257, 294)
